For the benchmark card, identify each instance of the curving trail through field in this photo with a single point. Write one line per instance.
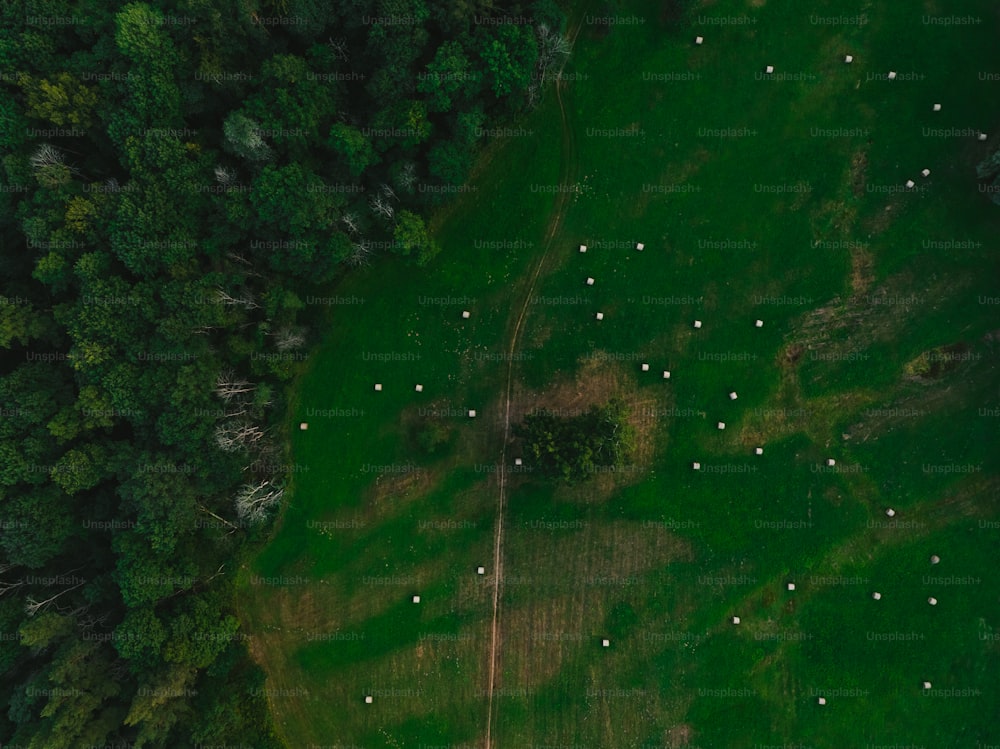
(567, 173)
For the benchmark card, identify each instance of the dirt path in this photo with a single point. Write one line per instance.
(568, 171)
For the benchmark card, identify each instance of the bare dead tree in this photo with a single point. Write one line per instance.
(381, 207)
(227, 386)
(233, 528)
(76, 613)
(7, 587)
(351, 222)
(532, 94)
(407, 176)
(360, 256)
(225, 175)
(218, 573)
(33, 606)
(388, 192)
(225, 440)
(254, 501)
(238, 258)
(553, 49)
(339, 47)
(88, 623)
(235, 436)
(46, 155)
(288, 339)
(196, 583)
(245, 300)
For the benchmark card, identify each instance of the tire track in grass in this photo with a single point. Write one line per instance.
(561, 205)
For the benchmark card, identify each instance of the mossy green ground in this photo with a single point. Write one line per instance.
(853, 283)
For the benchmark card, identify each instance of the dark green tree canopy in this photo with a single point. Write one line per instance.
(572, 448)
(177, 179)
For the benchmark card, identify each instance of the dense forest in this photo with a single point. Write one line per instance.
(175, 181)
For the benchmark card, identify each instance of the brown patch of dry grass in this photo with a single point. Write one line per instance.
(882, 220)
(679, 735)
(679, 172)
(859, 173)
(861, 270)
(556, 595)
(596, 382)
(870, 314)
(408, 485)
(834, 216)
(790, 412)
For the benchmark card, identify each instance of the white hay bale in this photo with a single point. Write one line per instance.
(759, 323)
(699, 39)
(790, 586)
(416, 599)
(926, 172)
(645, 367)
(583, 248)
(758, 451)
(821, 700)
(466, 314)
(932, 601)
(937, 107)
(472, 413)
(721, 425)
(769, 69)
(927, 685)
(848, 59)
(418, 388)
(982, 136)
(935, 559)
(733, 396)
(480, 570)
(736, 620)
(303, 426)
(518, 461)
(877, 596)
(892, 75)
(378, 386)
(831, 462)
(666, 374)
(640, 246)
(890, 512)
(909, 184)
(599, 315)
(368, 699)
(697, 323)
(590, 281)
(606, 643)
(696, 466)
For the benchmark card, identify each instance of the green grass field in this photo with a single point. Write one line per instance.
(776, 198)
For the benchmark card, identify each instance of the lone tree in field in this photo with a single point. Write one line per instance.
(572, 449)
